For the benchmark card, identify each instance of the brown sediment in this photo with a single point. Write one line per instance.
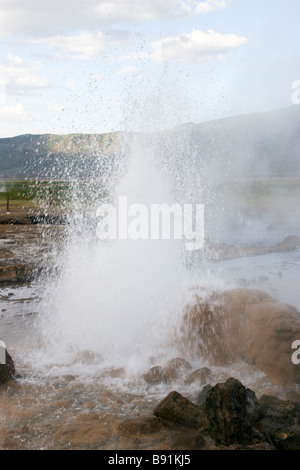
(56, 416)
(25, 250)
(243, 325)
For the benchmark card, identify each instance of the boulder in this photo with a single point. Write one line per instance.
(176, 409)
(202, 395)
(242, 325)
(281, 420)
(230, 416)
(7, 369)
(233, 413)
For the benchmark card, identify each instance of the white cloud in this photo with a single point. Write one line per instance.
(137, 11)
(15, 113)
(210, 5)
(20, 75)
(41, 18)
(196, 47)
(84, 45)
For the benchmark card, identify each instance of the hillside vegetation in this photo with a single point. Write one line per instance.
(253, 145)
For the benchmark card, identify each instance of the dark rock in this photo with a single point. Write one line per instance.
(7, 370)
(281, 421)
(177, 409)
(233, 413)
(230, 416)
(202, 395)
(15, 273)
(259, 446)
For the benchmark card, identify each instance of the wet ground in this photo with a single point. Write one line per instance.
(98, 409)
(82, 405)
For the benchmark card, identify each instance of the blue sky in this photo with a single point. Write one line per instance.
(100, 66)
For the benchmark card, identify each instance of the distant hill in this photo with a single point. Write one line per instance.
(245, 146)
(56, 156)
(252, 145)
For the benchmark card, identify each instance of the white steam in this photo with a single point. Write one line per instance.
(117, 298)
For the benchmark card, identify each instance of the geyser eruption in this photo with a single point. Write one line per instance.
(117, 299)
(122, 301)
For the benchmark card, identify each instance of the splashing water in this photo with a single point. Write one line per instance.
(117, 299)
(121, 301)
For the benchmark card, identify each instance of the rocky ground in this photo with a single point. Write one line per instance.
(229, 415)
(223, 415)
(26, 239)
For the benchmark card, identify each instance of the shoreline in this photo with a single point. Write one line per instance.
(27, 236)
